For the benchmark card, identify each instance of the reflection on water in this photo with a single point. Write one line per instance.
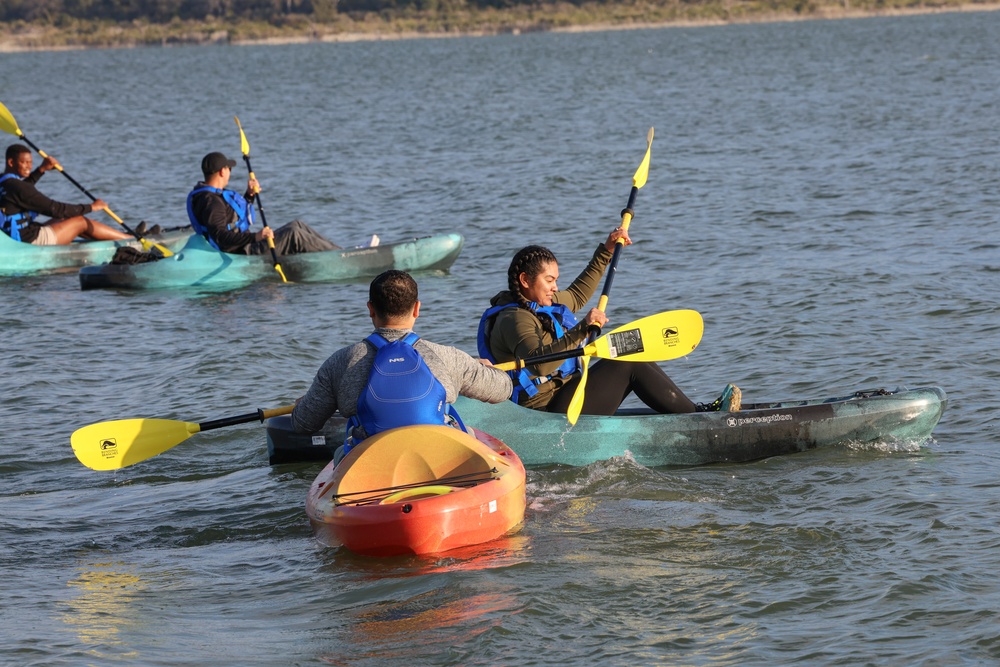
(433, 622)
(102, 611)
(427, 623)
(824, 193)
(507, 551)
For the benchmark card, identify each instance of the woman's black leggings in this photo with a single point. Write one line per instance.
(610, 382)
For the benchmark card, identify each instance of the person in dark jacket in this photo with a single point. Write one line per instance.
(225, 217)
(21, 203)
(533, 317)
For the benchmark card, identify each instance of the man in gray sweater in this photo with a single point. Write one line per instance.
(394, 308)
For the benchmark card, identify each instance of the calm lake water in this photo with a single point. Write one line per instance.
(824, 193)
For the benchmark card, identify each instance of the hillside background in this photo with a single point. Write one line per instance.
(34, 24)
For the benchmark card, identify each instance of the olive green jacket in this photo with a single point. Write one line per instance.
(518, 333)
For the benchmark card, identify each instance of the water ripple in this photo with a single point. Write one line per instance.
(823, 193)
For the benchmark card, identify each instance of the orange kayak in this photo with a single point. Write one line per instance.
(418, 490)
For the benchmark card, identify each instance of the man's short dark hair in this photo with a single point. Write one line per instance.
(393, 294)
(14, 151)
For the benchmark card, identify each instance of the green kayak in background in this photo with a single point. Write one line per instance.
(758, 431)
(24, 259)
(198, 264)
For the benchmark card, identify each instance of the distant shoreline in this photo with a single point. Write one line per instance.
(586, 18)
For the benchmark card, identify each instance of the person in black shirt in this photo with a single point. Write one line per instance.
(225, 217)
(21, 203)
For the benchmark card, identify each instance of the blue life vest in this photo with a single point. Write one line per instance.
(401, 391)
(13, 224)
(524, 382)
(236, 201)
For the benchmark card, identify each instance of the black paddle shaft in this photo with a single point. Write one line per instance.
(612, 270)
(613, 266)
(246, 160)
(260, 207)
(76, 183)
(71, 179)
(232, 421)
(594, 330)
(553, 356)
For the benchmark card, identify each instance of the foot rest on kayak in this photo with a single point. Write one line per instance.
(417, 493)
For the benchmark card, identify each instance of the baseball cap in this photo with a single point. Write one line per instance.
(214, 162)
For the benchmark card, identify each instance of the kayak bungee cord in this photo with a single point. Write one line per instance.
(467, 480)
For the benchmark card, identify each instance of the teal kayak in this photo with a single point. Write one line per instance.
(24, 259)
(758, 431)
(198, 264)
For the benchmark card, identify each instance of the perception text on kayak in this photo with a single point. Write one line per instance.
(764, 419)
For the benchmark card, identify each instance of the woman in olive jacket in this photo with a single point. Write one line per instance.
(533, 317)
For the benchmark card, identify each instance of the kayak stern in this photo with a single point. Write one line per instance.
(418, 490)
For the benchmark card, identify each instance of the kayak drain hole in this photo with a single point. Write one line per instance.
(406, 508)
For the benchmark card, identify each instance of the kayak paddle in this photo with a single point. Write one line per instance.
(638, 180)
(661, 337)
(115, 444)
(9, 125)
(245, 147)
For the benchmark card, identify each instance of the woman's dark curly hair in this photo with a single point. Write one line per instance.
(530, 260)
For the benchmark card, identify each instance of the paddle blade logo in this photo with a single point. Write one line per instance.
(109, 448)
(671, 336)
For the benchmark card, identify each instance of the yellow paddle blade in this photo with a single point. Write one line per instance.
(7, 122)
(148, 245)
(244, 144)
(576, 404)
(659, 337)
(281, 272)
(116, 444)
(642, 172)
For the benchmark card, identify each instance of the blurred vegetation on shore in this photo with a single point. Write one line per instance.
(31, 24)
